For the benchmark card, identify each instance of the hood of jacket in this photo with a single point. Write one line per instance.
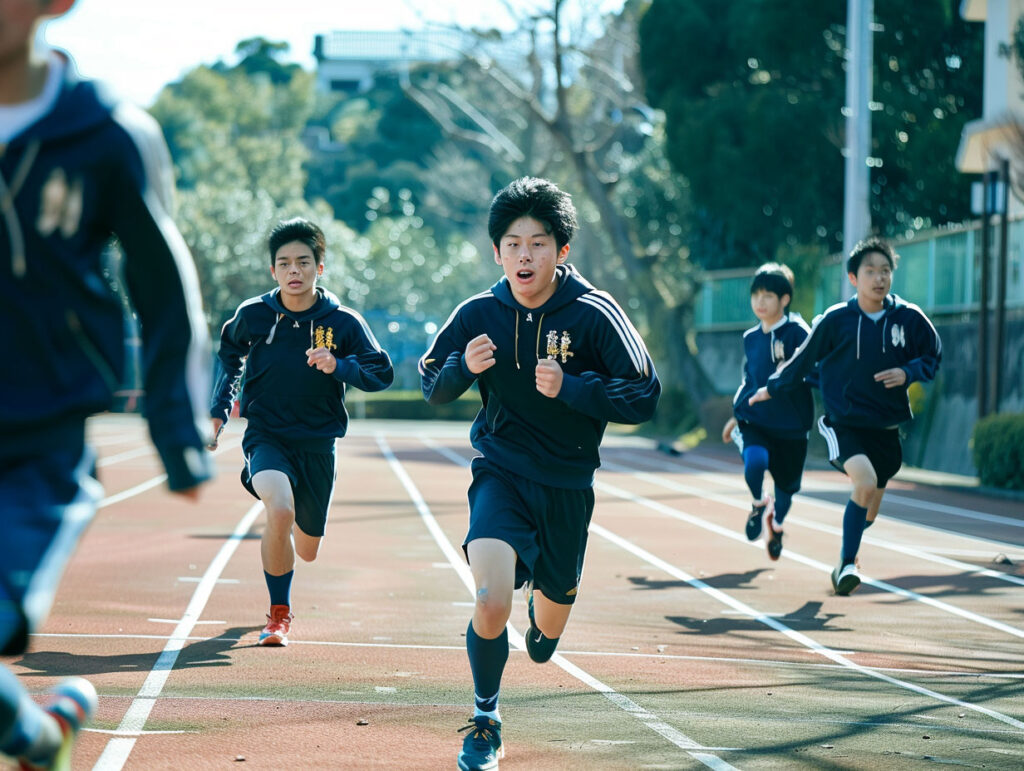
(326, 302)
(570, 286)
(81, 105)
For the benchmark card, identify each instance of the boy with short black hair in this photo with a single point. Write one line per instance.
(555, 361)
(298, 348)
(868, 350)
(771, 436)
(77, 169)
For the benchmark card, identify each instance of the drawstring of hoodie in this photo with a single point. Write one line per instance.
(515, 346)
(859, 320)
(884, 322)
(273, 329)
(19, 264)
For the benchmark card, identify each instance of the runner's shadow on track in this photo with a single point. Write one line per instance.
(807, 618)
(723, 581)
(949, 585)
(202, 653)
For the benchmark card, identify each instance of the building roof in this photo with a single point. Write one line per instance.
(429, 45)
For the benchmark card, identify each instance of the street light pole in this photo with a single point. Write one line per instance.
(857, 179)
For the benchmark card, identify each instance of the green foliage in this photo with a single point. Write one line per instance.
(754, 118)
(998, 449)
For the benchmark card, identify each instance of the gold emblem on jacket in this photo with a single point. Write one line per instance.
(558, 347)
(324, 338)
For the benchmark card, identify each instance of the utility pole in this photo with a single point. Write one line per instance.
(986, 209)
(999, 355)
(857, 180)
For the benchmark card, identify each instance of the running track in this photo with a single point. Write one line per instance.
(687, 648)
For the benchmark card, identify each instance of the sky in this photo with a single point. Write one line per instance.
(138, 46)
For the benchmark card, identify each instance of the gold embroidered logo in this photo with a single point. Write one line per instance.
(324, 339)
(779, 351)
(558, 347)
(60, 205)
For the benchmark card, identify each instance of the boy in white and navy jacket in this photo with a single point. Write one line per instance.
(868, 351)
(555, 360)
(771, 436)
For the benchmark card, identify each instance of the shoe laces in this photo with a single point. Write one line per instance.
(484, 730)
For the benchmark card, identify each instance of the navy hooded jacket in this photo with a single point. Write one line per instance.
(88, 170)
(607, 376)
(850, 348)
(282, 395)
(789, 415)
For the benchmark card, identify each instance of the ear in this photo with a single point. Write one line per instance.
(273, 272)
(785, 300)
(563, 254)
(58, 7)
(497, 255)
(320, 269)
(853, 278)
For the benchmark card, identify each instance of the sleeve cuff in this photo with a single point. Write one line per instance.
(572, 386)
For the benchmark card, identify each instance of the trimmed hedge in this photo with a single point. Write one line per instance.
(998, 450)
(410, 405)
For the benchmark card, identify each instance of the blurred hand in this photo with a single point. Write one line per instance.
(730, 424)
(549, 377)
(891, 378)
(761, 395)
(218, 426)
(480, 354)
(192, 493)
(322, 359)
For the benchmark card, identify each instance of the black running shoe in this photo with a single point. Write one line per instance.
(482, 748)
(756, 518)
(773, 537)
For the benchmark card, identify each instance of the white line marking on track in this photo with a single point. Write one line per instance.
(790, 554)
(126, 455)
(116, 753)
(652, 721)
(792, 634)
(178, 621)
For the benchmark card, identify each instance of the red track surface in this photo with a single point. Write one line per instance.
(687, 646)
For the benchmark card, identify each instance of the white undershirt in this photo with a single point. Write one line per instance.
(15, 118)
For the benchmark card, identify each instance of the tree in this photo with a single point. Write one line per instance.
(754, 118)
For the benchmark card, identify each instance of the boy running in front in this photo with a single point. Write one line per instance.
(299, 348)
(868, 350)
(555, 360)
(771, 436)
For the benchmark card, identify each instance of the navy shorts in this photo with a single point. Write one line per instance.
(46, 501)
(785, 456)
(312, 476)
(881, 446)
(547, 527)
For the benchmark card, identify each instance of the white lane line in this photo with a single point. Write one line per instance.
(956, 511)
(149, 484)
(831, 507)
(778, 626)
(138, 452)
(676, 737)
(116, 753)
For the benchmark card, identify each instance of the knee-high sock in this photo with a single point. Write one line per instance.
(853, 528)
(783, 501)
(487, 662)
(280, 588)
(755, 463)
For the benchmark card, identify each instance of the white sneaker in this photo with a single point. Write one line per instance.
(845, 579)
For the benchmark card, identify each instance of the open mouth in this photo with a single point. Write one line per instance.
(524, 275)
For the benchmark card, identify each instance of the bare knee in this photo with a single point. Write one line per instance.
(280, 518)
(491, 613)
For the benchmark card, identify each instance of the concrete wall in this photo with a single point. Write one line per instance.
(939, 437)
